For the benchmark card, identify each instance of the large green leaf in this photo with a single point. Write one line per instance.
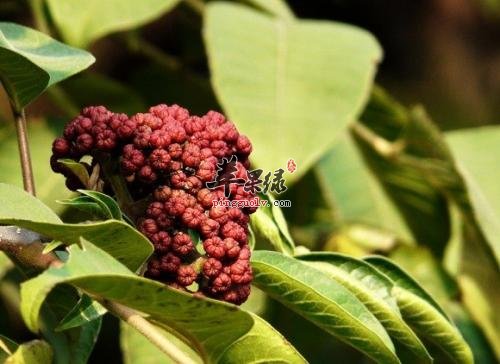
(116, 237)
(31, 61)
(320, 299)
(286, 88)
(17, 204)
(80, 23)
(423, 313)
(214, 328)
(374, 290)
(353, 191)
(33, 352)
(49, 185)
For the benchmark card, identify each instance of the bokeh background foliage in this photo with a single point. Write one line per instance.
(374, 175)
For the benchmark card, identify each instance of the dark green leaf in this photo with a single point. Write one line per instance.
(421, 204)
(31, 61)
(423, 313)
(403, 279)
(78, 170)
(86, 205)
(374, 290)
(320, 299)
(106, 202)
(85, 311)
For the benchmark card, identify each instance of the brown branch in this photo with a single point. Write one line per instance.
(25, 248)
(24, 151)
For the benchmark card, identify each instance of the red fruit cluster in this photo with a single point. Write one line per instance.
(168, 156)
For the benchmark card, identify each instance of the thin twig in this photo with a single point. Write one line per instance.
(196, 5)
(24, 151)
(380, 145)
(148, 330)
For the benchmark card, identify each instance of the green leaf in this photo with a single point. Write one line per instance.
(49, 185)
(116, 237)
(422, 312)
(215, 333)
(136, 349)
(320, 299)
(77, 169)
(285, 89)
(33, 352)
(431, 324)
(79, 25)
(393, 162)
(483, 352)
(86, 205)
(85, 311)
(17, 204)
(353, 192)
(269, 224)
(54, 244)
(374, 290)
(427, 270)
(73, 345)
(475, 167)
(31, 61)
(106, 202)
(481, 298)
(403, 280)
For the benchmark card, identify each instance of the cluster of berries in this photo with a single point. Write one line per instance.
(167, 156)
